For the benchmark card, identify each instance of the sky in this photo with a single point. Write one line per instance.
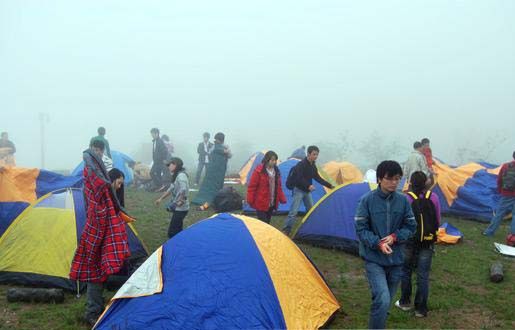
(269, 74)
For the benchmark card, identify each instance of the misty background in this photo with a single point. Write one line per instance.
(361, 79)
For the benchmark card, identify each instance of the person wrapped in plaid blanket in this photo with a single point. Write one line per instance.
(103, 245)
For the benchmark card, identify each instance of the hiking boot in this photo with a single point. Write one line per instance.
(420, 314)
(402, 307)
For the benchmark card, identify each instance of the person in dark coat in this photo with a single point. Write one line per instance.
(159, 155)
(265, 192)
(204, 148)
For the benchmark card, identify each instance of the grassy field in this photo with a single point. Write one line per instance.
(461, 295)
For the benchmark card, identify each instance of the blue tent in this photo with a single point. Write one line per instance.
(330, 223)
(120, 161)
(285, 168)
(225, 272)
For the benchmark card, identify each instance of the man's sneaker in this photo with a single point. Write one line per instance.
(420, 314)
(404, 308)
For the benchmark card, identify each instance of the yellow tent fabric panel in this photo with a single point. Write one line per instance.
(245, 170)
(18, 184)
(42, 241)
(305, 281)
(343, 172)
(451, 179)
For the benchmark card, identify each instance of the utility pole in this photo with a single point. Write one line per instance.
(43, 116)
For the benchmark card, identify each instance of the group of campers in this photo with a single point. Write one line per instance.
(396, 227)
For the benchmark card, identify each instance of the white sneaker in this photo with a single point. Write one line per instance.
(404, 308)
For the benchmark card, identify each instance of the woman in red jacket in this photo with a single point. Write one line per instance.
(265, 192)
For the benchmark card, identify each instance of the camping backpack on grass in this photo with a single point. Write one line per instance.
(425, 214)
(292, 177)
(508, 178)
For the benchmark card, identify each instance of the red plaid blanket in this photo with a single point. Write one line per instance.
(103, 244)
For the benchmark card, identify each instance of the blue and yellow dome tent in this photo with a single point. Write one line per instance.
(226, 272)
(19, 187)
(121, 161)
(285, 168)
(330, 223)
(250, 165)
(468, 191)
(38, 247)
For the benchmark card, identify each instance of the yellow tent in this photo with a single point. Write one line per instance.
(343, 172)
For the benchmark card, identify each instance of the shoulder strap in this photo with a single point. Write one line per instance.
(412, 194)
(428, 194)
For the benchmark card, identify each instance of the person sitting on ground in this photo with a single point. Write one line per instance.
(265, 192)
(419, 249)
(304, 173)
(179, 190)
(384, 221)
(506, 188)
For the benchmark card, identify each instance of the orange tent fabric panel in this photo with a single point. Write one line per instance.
(18, 184)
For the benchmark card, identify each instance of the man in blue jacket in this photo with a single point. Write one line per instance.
(384, 221)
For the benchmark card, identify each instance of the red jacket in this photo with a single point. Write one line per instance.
(499, 181)
(258, 191)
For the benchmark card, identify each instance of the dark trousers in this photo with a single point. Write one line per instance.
(94, 301)
(200, 167)
(265, 216)
(418, 259)
(156, 173)
(176, 223)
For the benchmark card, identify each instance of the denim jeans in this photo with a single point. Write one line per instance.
(506, 205)
(418, 259)
(298, 196)
(384, 282)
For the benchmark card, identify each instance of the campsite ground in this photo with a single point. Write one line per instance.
(461, 294)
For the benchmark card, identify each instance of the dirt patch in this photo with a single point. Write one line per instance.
(8, 319)
(467, 318)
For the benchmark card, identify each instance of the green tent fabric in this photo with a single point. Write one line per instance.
(215, 174)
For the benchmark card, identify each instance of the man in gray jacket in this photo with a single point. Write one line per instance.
(416, 162)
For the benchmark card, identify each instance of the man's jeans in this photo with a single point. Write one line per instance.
(506, 205)
(419, 259)
(298, 196)
(384, 282)
(200, 167)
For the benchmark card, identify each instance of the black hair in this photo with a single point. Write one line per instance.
(313, 148)
(513, 155)
(388, 168)
(417, 145)
(418, 182)
(101, 130)
(114, 174)
(98, 144)
(268, 155)
(154, 130)
(206, 135)
(165, 138)
(220, 137)
(179, 167)
(424, 141)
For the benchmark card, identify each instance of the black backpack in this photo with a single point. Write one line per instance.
(291, 180)
(508, 178)
(425, 214)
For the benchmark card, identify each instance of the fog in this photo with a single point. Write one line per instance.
(353, 77)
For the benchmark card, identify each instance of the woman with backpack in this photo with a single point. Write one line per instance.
(264, 192)
(179, 189)
(418, 251)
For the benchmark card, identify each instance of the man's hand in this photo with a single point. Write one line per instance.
(389, 240)
(157, 202)
(385, 248)
(311, 188)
